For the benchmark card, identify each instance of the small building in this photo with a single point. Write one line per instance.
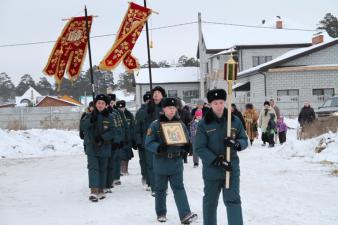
(303, 74)
(182, 82)
(50, 101)
(7, 105)
(29, 98)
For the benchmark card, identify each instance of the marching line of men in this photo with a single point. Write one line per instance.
(110, 132)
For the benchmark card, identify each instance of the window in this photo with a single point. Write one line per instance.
(172, 93)
(257, 60)
(323, 91)
(288, 92)
(188, 95)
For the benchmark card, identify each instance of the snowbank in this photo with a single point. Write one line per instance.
(37, 143)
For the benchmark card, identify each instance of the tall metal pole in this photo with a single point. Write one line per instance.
(90, 55)
(148, 48)
(200, 48)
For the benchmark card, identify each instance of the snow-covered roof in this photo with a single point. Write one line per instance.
(31, 94)
(59, 99)
(287, 56)
(168, 75)
(218, 36)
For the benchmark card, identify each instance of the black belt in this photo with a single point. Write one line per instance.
(170, 155)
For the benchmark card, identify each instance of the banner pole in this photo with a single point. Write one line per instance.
(90, 55)
(148, 49)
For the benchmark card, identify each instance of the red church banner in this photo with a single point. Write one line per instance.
(127, 36)
(69, 50)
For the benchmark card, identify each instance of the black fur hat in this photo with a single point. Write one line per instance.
(121, 104)
(169, 102)
(160, 89)
(267, 103)
(147, 96)
(102, 97)
(216, 94)
(112, 97)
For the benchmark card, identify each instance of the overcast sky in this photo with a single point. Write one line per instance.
(41, 20)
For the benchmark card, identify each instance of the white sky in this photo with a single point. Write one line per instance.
(40, 20)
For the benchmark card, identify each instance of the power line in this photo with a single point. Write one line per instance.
(254, 26)
(163, 27)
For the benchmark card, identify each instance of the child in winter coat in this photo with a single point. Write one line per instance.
(271, 130)
(193, 127)
(282, 129)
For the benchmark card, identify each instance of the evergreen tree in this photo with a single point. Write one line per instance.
(26, 81)
(191, 62)
(126, 81)
(44, 87)
(153, 65)
(330, 24)
(182, 60)
(7, 88)
(163, 64)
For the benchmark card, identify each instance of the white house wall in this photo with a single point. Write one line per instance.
(245, 55)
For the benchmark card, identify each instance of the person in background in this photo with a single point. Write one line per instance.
(281, 129)
(271, 130)
(237, 113)
(263, 121)
(200, 105)
(250, 116)
(307, 115)
(275, 107)
(129, 141)
(193, 128)
(89, 109)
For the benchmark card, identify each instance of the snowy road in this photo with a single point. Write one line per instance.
(276, 190)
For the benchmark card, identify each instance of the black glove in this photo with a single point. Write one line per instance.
(188, 148)
(140, 147)
(162, 148)
(221, 162)
(115, 146)
(99, 140)
(232, 143)
(93, 117)
(134, 145)
(185, 156)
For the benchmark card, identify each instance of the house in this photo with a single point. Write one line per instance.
(250, 46)
(303, 74)
(182, 82)
(51, 101)
(29, 98)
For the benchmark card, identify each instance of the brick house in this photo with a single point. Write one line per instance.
(303, 74)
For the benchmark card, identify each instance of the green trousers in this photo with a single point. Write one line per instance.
(97, 171)
(231, 199)
(180, 196)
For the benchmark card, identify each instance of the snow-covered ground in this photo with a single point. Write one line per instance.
(286, 185)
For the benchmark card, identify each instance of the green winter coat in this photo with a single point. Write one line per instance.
(104, 127)
(164, 165)
(144, 117)
(209, 143)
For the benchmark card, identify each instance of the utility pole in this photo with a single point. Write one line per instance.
(200, 47)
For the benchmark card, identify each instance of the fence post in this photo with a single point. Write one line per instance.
(50, 117)
(21, 118)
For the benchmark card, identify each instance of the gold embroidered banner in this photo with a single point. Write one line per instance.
(69, 50)
(127, 36)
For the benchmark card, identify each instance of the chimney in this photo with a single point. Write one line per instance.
(317, 39)
(279, 24)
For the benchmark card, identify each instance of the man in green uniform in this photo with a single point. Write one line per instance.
(98, 127)
(168, 164)
(152, 112)
(140, 137)
(126, 153)
(115, 142)
(211, 142)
